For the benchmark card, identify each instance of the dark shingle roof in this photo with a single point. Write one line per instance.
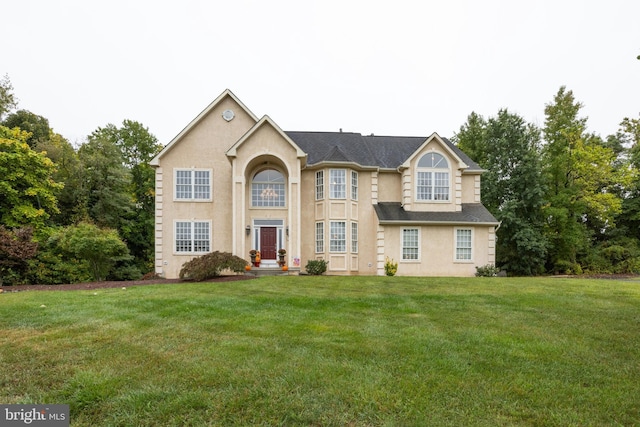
(392, 212)
(374, 151)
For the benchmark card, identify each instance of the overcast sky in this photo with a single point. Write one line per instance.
(405, 68)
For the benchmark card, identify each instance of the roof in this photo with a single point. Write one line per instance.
(394, 213)
(367, 151)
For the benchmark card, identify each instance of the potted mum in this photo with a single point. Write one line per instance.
(281, 254)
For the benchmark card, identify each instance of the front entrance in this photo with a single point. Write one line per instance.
(268, 243)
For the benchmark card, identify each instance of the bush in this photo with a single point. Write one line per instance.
(316, 267)
(488, 270)
(211, 265)
(390, 267)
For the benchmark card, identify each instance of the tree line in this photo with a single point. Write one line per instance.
(71, 214)
(568, 200)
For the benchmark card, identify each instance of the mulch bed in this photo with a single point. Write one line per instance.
(120, 284)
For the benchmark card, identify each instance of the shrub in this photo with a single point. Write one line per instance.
(390, 267)
(488, 270)
(211, 265)
(316, 267)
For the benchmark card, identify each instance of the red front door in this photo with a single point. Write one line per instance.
(268, 243)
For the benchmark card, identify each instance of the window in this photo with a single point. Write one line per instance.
(319, 185)
(337, 186)
(432, 180)
(354, 185)
(463, 244)
(410, 244)
(319, 237)
(354, 237)
(192, 236)
(338, 240)
(193, 184)
(267, 189)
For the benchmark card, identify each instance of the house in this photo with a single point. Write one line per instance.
(233, 182)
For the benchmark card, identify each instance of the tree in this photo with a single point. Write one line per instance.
(16, 248)
(27, 190)
(105, 183)
(581, 175)
(512, 189)
(72, 198)
(100, 248)
(7, 100)
(37, 126)
(137, 147)
(472, 139)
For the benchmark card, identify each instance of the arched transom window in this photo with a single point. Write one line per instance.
(267, 189)
(432, 180)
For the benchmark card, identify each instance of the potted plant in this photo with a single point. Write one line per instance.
(255, 257)
(281, 254)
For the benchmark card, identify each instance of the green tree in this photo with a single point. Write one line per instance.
(105, 183)
(581, 175)
(472, 139)
(27, 190)
(7, 100)
(137, 147)
(37, 126)
(100, 248)
(512, 188)
(72, 198)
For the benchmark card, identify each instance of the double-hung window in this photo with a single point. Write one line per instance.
(192, 236)
(354, 237)
(338, 236)
(338, 183)
(410, 244)
(432, 178)
(319, 185)
(319, 237)
(193, 184)
(354, 185)
(463, 244)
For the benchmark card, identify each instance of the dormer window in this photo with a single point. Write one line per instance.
(432, 179)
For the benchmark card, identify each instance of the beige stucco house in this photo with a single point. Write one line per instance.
(233, 182)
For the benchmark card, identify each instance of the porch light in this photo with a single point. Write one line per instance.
(248, 229)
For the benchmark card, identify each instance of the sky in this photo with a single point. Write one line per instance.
(402, 68)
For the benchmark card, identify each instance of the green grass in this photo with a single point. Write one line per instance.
(334, 351)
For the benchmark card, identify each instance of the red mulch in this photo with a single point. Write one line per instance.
(100, 285)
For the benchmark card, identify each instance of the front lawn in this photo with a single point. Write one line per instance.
(359, 351)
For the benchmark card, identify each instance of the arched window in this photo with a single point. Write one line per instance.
(267, 189)
(432, 180)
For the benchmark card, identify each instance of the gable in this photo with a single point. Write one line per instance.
(264, 123)
(226, 101)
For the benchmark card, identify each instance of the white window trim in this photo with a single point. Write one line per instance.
(356, 241)
(346, 237)
(319, 238)
(284, 189)
(344, 184)
(401, 256)
(354, 185)
(192, 199)
(192, 221)
(455, 245)
(320, 187)
(432, 171)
